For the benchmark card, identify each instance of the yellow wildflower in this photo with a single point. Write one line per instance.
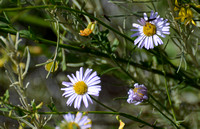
(189, 17)
(121, 123)
(176, 8)
(181, 14)
(49, 65)
(87, 31)
(186, 15)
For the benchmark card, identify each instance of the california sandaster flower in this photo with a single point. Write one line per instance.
(72, 122)
(138, 94)
(81, 86)
(149, 30)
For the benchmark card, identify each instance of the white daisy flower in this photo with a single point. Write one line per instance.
(72, 122)
(149, 30)
(81, 86)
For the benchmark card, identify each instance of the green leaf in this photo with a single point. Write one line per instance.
(108, 70)
(114, 45)
(6, 96)
(25, 32)
(4, 20)
(33, 105)
(4, 109)
(3, 25)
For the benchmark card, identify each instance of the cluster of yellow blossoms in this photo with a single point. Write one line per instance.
(185, 13)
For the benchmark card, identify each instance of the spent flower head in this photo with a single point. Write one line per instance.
(75, 122)
(81, 86)
(138, 94)
(149, 29)
(87, 31)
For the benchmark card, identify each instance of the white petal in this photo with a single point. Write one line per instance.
(78, 117)
(141, 43)
(146, 45)
(136, 25)
(151, 42)
(67, 94)
(145, 17)
(159, 41)
(67, 83)
(141, 37)
(77, 76)
(85, 101)
(77, 102)
(94, 81)
(136, 34)
(155, 40)
(137, 103)
(87, 80)
(71, 99)
(72, 80)
(81, 73)
(87, 73)
(83, 120)
(75, 79)
(134, 29)
(88, 97)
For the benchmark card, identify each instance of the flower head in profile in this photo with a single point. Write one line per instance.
(75, 122)
(87, 31)
(138, 94)
(149, 29)
(81, 86)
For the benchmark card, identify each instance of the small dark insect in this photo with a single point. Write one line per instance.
(150, 19)
(107, 18)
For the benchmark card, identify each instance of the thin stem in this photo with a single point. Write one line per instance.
(161, 105)
(164, 114)
(102, 104)
(169, 99)
(90, 112)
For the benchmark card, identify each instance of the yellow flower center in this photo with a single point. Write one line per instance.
(135, 90)
(70, 125)
(149, 29)
(80, 88)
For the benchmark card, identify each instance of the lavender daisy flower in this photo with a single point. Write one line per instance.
(149, 30)
(78, 122)
(81, 86)
(138, 94)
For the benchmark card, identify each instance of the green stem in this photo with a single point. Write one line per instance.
(105, 112)
(102, 104)
(169, 99)
(161, 105)
(164, 114)
(90, 112)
